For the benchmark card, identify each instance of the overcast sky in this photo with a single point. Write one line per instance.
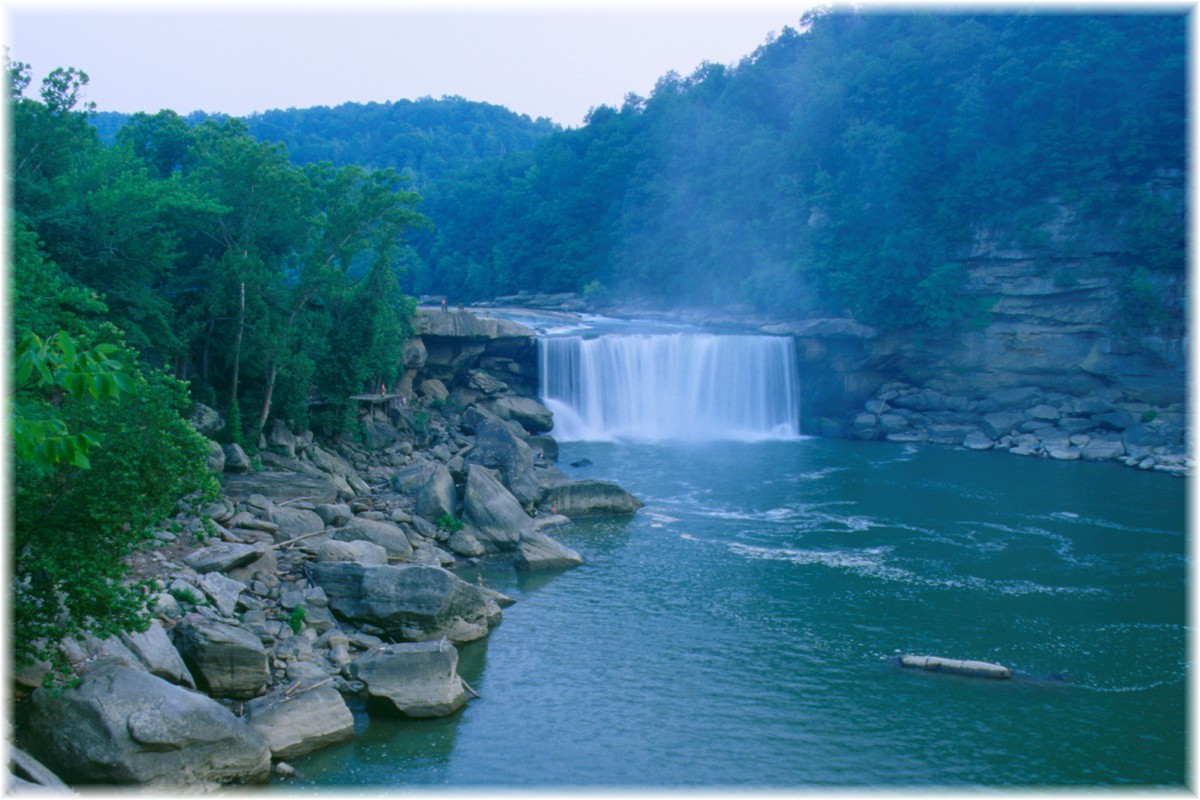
(534, 59)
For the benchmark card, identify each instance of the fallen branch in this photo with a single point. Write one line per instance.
(298, 538)
(296, 500)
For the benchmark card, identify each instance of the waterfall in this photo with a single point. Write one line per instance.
(670, 386)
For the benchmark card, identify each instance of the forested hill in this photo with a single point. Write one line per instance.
(847, 165)
(422, 139)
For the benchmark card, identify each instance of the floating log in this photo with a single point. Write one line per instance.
(975, 669)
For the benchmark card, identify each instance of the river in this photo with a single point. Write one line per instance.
(742, 630)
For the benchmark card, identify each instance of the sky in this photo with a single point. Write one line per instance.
(535, 59)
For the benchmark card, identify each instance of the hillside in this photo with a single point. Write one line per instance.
(422, 139)
(852, 165)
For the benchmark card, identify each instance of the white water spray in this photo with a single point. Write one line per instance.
(654, 387)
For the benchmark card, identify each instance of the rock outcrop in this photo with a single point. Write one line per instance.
(123, 726)
(410, 602)
(225, 661)
(302, 718)
(418, 679)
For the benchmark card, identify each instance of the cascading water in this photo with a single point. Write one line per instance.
(670, 386)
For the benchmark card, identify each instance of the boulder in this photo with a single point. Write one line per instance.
(545, 445)
(495, 514)
(216, 457)
(280, 486)
(438, 497)
(295, 522)
(225, 661)
(465, 543)
(26, 774)
(302, 719)
(485, 383)
(434, 389)
(359, 551)
(413, 354)
(530, 414)
(221, 557)
(385, 534)
(236, 459)
(378, 435)
(1103, 450)
(977, 440)
(590, 498)
(497, 447)
(224, 592)
(334, 514)
(160, 658)
(998, 423)
(122, 726)
(538, 551)
(280, 439)
(408, 601)
(206, 420)
(1117, 420)
(419, 679)
(410, 479)
(1044, 412)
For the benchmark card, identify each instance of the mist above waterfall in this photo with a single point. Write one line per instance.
(654, 387)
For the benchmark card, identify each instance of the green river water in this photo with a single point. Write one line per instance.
(741, 631)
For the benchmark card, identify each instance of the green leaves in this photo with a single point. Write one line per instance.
(43, 372)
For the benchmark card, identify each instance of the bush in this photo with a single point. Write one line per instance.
(73, 526)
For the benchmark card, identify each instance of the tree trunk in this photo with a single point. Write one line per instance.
(208, 334)
(237, 360)
(266, 406)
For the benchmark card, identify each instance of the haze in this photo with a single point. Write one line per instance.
(534, 61)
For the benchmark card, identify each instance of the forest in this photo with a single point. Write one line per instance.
(843, 166)
(265, 267)
(421, 139)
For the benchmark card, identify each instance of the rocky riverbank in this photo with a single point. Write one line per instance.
(327, 570)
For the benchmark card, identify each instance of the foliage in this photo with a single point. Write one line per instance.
(176, 257)
(842, 167)
(449, 523)
(422, 139)
(296, 619)
(52, 370)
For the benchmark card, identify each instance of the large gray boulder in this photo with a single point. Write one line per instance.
(123, 726)
(530, 414)
(493, 512)
(385, 534)
(410, 479)
(280, 439)
(334, 514)
(301, 719)
(280, 486)
(225, 661)
(998, 423)
(419, 679)
(295, 522)
(438, 497)
(236, 459)
(538, 551)
(207, 421)
(409, 601)
(497, 447)
(221, 557)
(589, 499)
(158, 655)
(359, 551)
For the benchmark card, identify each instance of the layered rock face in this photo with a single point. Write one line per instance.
(1056, 335)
